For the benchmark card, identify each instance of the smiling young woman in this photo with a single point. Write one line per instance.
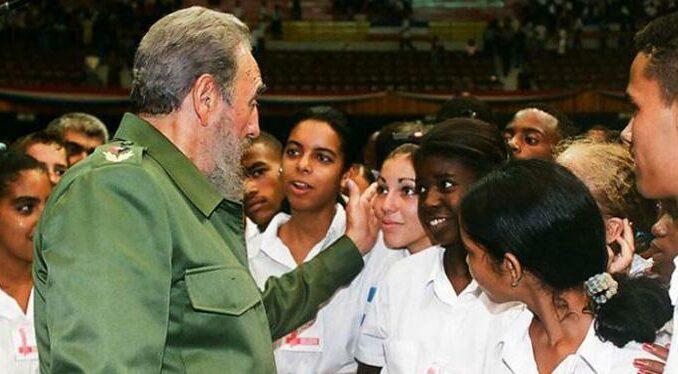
(428, 315)
(396, 202)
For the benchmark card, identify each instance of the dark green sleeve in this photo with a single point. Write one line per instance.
(103, 274)
(293, 299)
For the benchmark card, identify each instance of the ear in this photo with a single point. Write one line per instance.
(205, 94)
(613, 229)
(512, 268)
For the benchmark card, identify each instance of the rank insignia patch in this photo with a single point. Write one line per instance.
(118, 154)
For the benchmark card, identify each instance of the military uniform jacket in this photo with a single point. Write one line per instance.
(140, 267)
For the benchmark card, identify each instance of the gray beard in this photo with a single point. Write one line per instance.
(227, 175)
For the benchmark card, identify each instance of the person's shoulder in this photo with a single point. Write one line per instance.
(116, 154)
(118, 165)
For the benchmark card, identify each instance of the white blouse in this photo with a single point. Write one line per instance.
(18, 349)
(326, 344)
(419, 324)
(510, 351)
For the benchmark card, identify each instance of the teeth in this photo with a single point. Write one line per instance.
(437, 221)
(300, 184)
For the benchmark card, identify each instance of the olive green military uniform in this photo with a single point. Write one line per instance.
(141, 267)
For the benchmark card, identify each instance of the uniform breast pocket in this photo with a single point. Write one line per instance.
(402, 356)
(222, 289)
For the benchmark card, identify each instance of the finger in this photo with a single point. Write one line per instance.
(648, 366)
(626, 250)
(353, 193)
(610, 253)
(611, 259)
(657, 350)
(373, 221)
(370, 193)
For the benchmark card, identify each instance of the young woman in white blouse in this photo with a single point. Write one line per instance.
(24, 188)
(535, 235)
(429, 316)
(317, 154)
(402, 234)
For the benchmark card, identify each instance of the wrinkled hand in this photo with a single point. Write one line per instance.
(621, 263)
(647, 366)
(362, 225)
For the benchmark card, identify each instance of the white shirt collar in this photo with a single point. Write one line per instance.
(9, 308)
(442, 287)
(271, 245)
(517, 353)
(251, 229)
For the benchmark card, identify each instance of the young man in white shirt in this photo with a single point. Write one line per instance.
(652, 132)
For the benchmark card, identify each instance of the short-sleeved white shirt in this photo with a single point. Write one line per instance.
(672, 363)
(18, 349)
(510, 351)
(326, 344)
(419, 324)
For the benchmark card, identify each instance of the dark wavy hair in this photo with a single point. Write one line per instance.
(546, 217)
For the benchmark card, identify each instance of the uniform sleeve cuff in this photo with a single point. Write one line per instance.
(343, 260)
(370, 351)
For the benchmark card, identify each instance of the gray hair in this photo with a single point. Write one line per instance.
(79, 122)
(178, 49)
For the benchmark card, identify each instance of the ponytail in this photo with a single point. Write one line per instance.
(636, 312)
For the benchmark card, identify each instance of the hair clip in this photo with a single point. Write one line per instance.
(601, 287)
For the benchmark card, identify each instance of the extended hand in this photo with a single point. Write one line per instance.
(362, 225)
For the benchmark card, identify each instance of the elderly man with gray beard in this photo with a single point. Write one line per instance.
(140, 262)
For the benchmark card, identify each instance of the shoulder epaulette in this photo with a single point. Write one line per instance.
(119, 152)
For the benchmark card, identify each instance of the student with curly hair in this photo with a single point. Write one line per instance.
(607, 169)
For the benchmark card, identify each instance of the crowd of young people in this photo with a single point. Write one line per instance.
(525, 250)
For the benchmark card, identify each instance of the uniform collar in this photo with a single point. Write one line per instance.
(9, 308)
(442, 287)
(517, 353)
(271, 245)
(251, 229)
(595, 352)
(516, 347)
(200, 191)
